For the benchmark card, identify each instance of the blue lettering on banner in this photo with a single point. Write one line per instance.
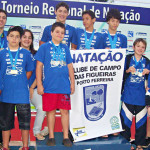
(46, 9)
(95, 57)
(95, 101)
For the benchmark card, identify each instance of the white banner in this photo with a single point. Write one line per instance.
(95, 103)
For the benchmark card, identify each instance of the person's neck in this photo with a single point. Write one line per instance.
(112, 31)
(1, 30)
(138, 57)
(89, 29)
(55, 42)
(13, 48)
(60, 21)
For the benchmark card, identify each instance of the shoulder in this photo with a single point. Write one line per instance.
(122, 36)
(3, 51)
(69, 26)
(5, 33)
(98, 33)
(48, 27)
(23, 50)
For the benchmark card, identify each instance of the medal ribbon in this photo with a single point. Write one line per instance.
(1, 43)
(13, 64)
(88, 41)
(112, 42)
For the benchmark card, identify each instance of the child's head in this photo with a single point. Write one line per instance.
(13, 36)
(139, 46)
(3, 18)
(113, 19)
(27, 40)
(61, 11)
(57, 32)
(88, 18)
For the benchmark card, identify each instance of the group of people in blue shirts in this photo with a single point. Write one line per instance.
(49, 72)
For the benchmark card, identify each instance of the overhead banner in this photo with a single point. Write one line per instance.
(95, 103)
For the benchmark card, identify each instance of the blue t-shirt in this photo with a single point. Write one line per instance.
(97, 42)
(15, 87)
(68, 38)
(121, 41)
(3, 40)
(134, 88)
(56, 73)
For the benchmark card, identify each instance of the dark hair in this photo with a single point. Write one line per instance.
(62, 4)
(113, 13)
(3, 11)
(57, 24)
(15, 28)
(140, 40)
(32, 50)
(89, 12)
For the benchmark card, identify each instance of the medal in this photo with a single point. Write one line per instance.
(13, 72)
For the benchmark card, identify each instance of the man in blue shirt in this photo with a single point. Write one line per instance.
(88, 38)
(112, 39)
(61, 11)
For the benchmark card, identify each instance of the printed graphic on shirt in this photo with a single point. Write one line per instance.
(95, 101)
(58, 57)
(18, 65)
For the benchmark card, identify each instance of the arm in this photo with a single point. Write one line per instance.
(73, 46)
(41, 42)
(32, 89)
(28, 74)
(71, 75)
(39, 68)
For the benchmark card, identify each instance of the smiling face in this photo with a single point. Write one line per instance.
(58, 35)
(13, 39)
(139, 48)
(61, 14)
(88, 22)
(26, 40)
(113, 25)
(3, 20)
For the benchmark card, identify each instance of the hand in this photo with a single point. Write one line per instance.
(107, 48)
(0, 92)
(131, 69)
(145, 71)
(147, 89)
(148, 111)
(72, 87)
(40, 90)
(31, 92)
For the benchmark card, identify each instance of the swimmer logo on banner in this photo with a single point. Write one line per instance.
(95, 103)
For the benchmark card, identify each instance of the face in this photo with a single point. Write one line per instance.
(88, 21)
(139, 48)
(57, 35)
(61, 14)
(113, 24)
(13, 39)
(3, 19)
(26, 40)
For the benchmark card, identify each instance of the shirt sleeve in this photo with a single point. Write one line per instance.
(45, 37)
(30, 63)
(74, 36)
(40, 55)
(100, 41)
(124, 44)
(68, 56)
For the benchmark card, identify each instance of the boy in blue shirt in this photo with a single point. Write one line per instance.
(56, 87)
(16, 67)
(112, 39)
(61, 12)
(133, 96)
(88, 38)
